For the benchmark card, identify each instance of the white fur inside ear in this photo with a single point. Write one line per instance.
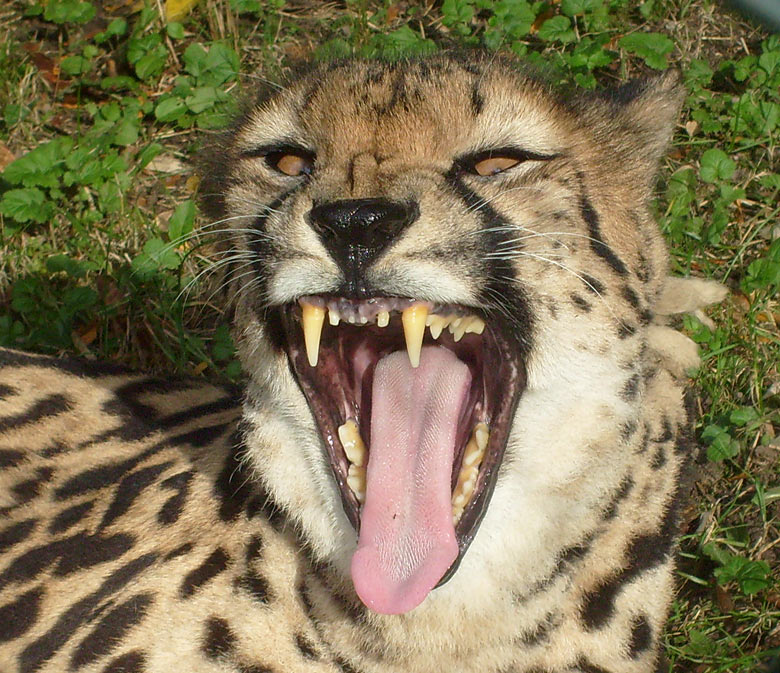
(677, 352)
(687, 295)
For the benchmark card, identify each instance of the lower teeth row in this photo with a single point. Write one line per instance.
(355, 451)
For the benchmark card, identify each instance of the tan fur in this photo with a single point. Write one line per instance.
(571, 568)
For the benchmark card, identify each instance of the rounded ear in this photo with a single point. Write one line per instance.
(634, 124)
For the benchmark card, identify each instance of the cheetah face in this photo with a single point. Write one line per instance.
(402, 237)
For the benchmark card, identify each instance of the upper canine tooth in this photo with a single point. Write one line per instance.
(312, 319)
(383, 318)
(413, 320)
(333, 316)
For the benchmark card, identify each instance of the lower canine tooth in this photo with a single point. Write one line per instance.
(413, 320)
(312, 319)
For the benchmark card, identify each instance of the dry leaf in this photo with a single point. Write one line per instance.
(178, 9)
(6, 156)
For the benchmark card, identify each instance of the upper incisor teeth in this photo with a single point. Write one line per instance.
(383, 318)
(413, 320)
(312, 319)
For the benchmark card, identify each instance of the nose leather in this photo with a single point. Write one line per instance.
(356, 231)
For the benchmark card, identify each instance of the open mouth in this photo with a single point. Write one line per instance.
(414, 401)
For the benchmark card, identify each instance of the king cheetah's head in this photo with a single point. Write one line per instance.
(440, 269)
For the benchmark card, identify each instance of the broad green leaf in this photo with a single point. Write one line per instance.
(716, 166)
(652, 47)
(26, 205)
(182, 220)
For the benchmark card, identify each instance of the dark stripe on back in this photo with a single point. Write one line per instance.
(37, 653)
(17, 617)
(53, 405)
(111, 630)
(216, 563)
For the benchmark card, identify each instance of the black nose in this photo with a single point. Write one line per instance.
(356, 231)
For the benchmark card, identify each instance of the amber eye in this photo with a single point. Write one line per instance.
(494, 165)
(290, 163)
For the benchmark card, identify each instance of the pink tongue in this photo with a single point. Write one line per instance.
(407, 540)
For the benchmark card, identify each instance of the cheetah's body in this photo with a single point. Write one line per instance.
(155, 525)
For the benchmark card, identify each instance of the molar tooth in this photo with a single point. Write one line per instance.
(312, 319)
(481, 435)
(333, 316)
(454, 324)
(476, 325)
(460, 330)
(413, 319)
(356, 480)
(352, 442)
(383, 318)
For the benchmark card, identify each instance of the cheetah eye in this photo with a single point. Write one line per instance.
(292, 162)
(494, 165)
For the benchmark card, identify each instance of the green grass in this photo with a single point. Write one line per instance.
(99, 240)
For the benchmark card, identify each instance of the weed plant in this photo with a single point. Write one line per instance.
(102, 253)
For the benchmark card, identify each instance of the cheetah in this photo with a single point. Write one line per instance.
(460, 441)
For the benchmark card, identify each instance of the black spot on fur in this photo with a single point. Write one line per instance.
(305, 647)
(6, 391)
(586, 666)
(256, 585)
(344, 666)
(111, 630)
(667, 431)
(631, 297)
(541, 634)
(621, 494)
(172, 508)
(627, 430)
(130, 662)
(31, 488)
(216, 563)
(592, 284)
(254, 548)
(626, 330)
(186, 548)
(129, 489)
(10, 458)
(233, 485)
(644, 552)
(659, 458)
(70, 516)
(17, 617)
(641, 637)
(477, 101)
(579, 302)
(631, 388)
(219, 639)
(53, 405)
(37, 653)
(16, 533)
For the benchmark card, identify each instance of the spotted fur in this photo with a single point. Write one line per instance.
(168, 524)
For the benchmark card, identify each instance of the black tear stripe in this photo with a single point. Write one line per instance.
(17, 617)
(216, 563)
(596, 240)
(111, 630)
(644, 553)
(35, 655)
(48, 407)
(502, 290)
